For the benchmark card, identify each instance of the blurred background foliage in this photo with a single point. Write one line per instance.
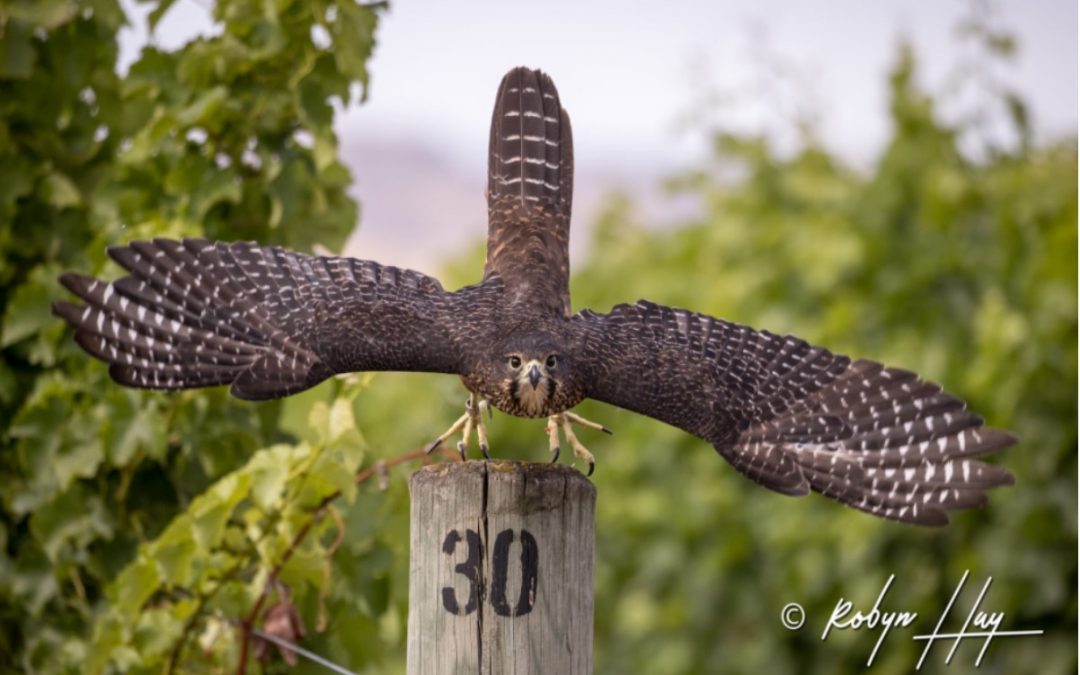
(137, 530)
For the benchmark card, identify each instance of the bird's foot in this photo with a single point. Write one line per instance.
(472, 420)
(563, 421)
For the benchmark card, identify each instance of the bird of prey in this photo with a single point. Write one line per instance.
(791, 416)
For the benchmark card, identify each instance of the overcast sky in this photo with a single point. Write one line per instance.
(630, 72)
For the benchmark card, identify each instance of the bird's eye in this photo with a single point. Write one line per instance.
(552, 361)
(515, 362)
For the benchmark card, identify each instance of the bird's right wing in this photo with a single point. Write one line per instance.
(794, 417)
(267, 321)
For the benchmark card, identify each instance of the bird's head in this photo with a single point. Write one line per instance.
(534, 371)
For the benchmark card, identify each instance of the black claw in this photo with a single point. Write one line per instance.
(592, 467)
(461, 450)
(555, 455)
(434, 446)
(607, 431)
(484, 449)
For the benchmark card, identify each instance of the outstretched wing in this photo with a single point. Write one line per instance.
(267, 321)
(794, 417)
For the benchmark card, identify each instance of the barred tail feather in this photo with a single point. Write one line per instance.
(530, 190)
(531, 147)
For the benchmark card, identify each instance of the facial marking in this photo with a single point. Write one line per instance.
(534, 387)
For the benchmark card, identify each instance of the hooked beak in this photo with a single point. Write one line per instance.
(534, 375)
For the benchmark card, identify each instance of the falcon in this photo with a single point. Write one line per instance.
(791, 416)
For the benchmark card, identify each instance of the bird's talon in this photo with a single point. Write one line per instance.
(564, 422)
(471, 421)
(607, 431)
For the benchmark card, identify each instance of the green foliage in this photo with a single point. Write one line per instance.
(963, 271)
(228, 137)
(211, 564)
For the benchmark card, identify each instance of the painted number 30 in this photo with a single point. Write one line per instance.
(471, 569)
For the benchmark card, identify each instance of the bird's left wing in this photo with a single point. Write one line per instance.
(267, 321)
(794, 417)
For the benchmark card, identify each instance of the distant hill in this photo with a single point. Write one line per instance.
(418, 206)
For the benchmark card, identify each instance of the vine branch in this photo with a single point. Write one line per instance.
(378, 469)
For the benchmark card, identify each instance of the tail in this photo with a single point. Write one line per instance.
(531, 158)
(530, 189)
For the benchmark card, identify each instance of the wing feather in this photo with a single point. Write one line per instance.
(794, 417)
(267, 321)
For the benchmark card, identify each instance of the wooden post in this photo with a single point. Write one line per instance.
(500, 569)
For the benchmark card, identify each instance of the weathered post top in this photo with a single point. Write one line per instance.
(500, 569)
